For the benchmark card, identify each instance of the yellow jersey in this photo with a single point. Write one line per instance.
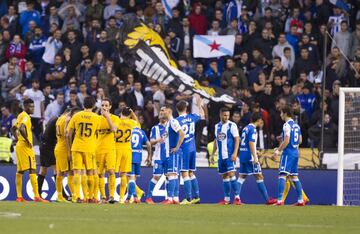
(106, 140)
(123, 134)
(60, 132)
(85, 124)
(24, 118)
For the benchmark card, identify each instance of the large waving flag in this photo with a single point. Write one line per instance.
(169, 5)
(341, 4)
(144, 50)
(213, 46)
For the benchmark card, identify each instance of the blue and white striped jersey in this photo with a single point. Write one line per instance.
(172, 135)
(156, 132)
(225, 134)
(248, 134)
(292, 129)
(187, 123)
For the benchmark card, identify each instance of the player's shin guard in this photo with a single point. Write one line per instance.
(71, 184)
(40, 180)
(235, 186)
(227, 188)
(176, 189)
(58, 184)
(263, 190)
(34, 184)
(298, 188)
(112, 184)
(187, 186)
(96, 187)
(281, 188)
(91, 184)
(77, 184)
(18, 182)
(123, 186)
(287, 189)
(84, 186)
(240, 182)
(102, 187)
(167, 188)
(172, 186)
(152, 185)
(195, 187)
(131, 188)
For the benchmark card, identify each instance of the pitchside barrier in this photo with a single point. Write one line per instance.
(320, 186)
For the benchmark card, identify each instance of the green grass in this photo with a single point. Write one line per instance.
(104, 219)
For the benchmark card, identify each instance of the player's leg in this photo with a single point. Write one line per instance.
(184, 170)
(59, 187)
(293, 164)
(90, 171)
(131, 183)
(158, 170)
(172, 177)
(111, 165)
(41, 177)
(78, 166)
(289, 183)
(235, 187)
(18, 182)
(100, 161)
(222, 168)
(287, 188)
(195, 192)
(261, 186)
(283, 172)
(32, 175)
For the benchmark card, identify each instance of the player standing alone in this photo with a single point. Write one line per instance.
(290, 156)
(188, 157)
(227, 142)
(249, 161)
(24, 151)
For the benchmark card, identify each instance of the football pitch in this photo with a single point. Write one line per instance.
(91, 218)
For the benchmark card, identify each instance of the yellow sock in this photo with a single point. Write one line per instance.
(76, 184)
(304, 196)
(111, 184)
(18, 182)
(84, 186)
(139, 192)
(102, 187)
(34, 184)
(123, 186)
(287, 189)
(58, 184)
(90, 181)
(96, 187)
(71, 184)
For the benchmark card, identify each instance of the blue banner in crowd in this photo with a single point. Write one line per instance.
(320, 186)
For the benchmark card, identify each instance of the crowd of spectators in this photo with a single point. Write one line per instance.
(57, 52)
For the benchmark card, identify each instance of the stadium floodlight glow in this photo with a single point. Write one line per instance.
(348, 174)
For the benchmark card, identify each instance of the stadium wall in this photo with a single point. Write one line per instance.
(320, 186)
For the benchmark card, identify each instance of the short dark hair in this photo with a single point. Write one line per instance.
(277, 57)
(107, 100)
(181, 105)
(255, 117)
(74, 110)
(89, 102)
(224, 109)
(73, 92)
(28, 101)
(126, 111)
(288, 111)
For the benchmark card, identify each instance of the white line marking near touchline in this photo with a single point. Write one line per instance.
(9, 214)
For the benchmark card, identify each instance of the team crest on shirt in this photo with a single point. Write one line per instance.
(221, 136)
(165, 135)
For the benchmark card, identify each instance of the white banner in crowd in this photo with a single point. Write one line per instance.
(213, 46)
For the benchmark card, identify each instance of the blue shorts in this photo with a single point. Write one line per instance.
(160, 167)
(173, 162)
(225, 166)
(249, 168)
(135, 169)
(188, 161)
(288, 164)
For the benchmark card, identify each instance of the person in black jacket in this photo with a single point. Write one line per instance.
(330, 134)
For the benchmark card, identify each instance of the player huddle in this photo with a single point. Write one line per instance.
(89, 145)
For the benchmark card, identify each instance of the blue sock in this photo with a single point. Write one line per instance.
(281, 185)
(151, 188)
(235, 186)
(187, 186)
(227, 188)
(263, 190)
(167, 188)
(171, 186)
(298, 188)
(195, 187)
(176, 189)
(131, 189)
(240, 182)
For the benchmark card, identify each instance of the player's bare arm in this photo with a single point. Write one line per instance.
(236, 149)
(23, 132)
(106, 114)
(253, 151)
(281, 147)
(181, 139)
(14, 132)
(149, 157)
(212, 157)
(69, 135)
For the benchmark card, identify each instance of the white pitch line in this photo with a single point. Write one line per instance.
(9, 214)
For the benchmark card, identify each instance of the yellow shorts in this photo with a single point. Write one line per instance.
(106, 161)
(62, 162)
(83, 160)
(25, 158)
(123, 160)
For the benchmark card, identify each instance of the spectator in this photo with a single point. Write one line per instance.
(16, 48)
(267, 99)
(302, 119)
(111, 9)
(94, 10)
(75, 47)
(330, 134)
(112, 31)
(82, 94)
(293, 39)
(176, 44)
(12, 82)
(342, 39)
(54, 108)
(49, 97)
(307, 100)
(7, 118)
(30, 14)
(56, 74)
(198, 20)
(86, 71)
(37, 47)
(38, 97)
(52, 47)
(73, 102)
(232, 70)
(29, 74)
(312, 48)
(158, 97)
(355, 39)
(104, 45)
(302, 64)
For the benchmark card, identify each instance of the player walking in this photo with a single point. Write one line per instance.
(290, 156)
(227, 143)
(249, 161)
(24, 151)
(157, 138)
(188, 157)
